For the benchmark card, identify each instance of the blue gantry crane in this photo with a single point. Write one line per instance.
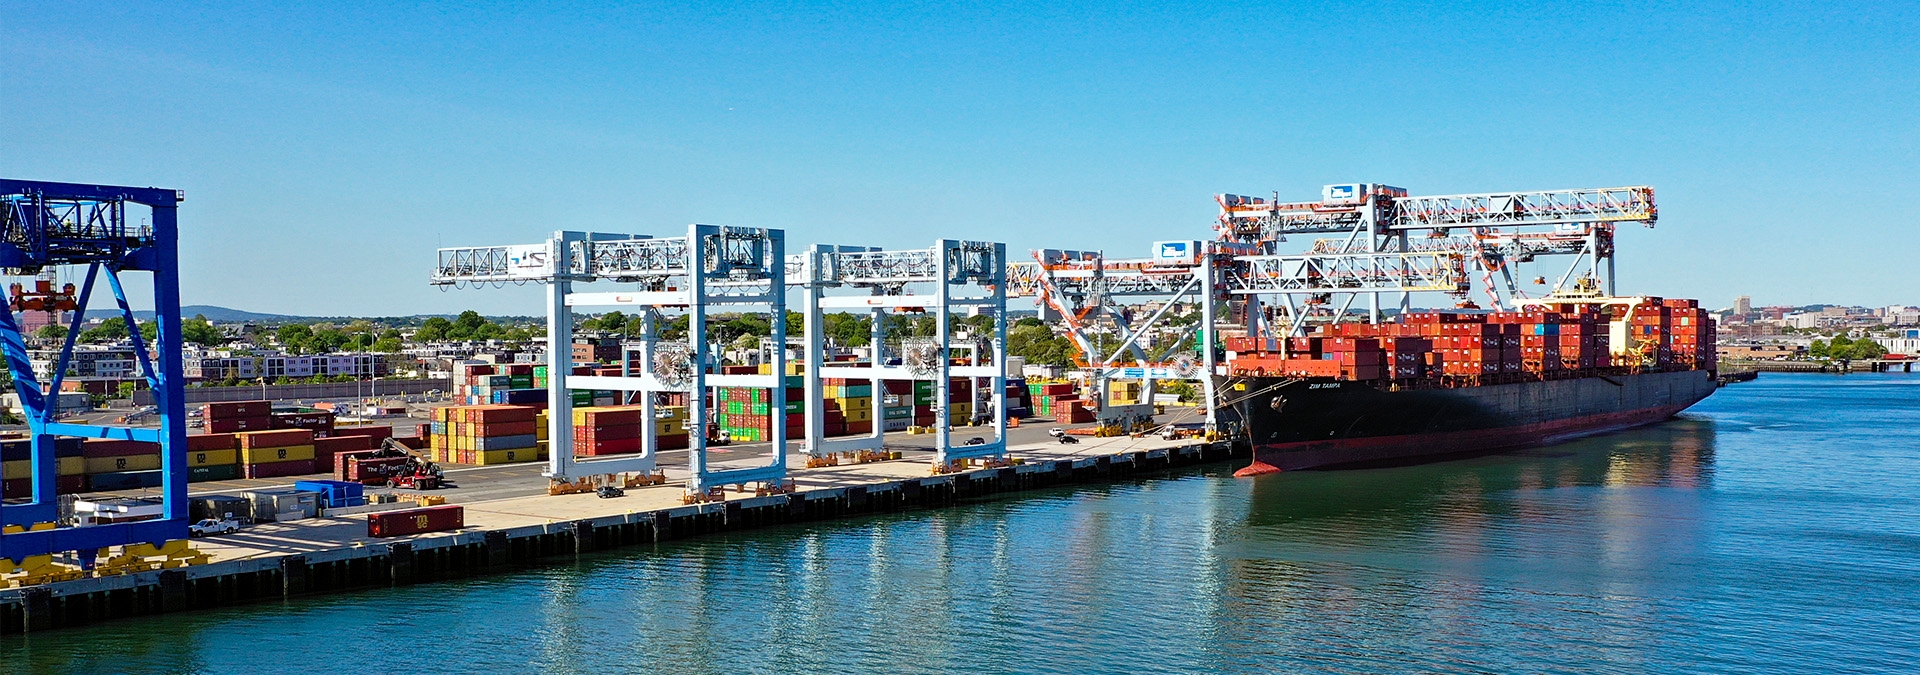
(48, 225)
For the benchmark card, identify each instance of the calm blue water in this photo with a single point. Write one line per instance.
(1775, 528)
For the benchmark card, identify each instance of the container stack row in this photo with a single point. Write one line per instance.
(487, 434)
(1543, 342)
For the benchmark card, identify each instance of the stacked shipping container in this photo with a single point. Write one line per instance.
(1543, 342)
(486, 434)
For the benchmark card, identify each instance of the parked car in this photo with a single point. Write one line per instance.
(213, 526)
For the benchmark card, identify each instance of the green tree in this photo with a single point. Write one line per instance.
(52, 331)
(848, 330)
(149, 331)
(465, 325)
(199, 331)
(433, 330)
(111, 330)
(295, 338)
(1039, 346)
(489, 331)
(388, 345)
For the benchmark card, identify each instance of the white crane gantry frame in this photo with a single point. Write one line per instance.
(712, 266)
(1077, 284)
(962, 274)
(1502, 227)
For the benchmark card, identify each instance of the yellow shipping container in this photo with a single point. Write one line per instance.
(542, 447)
(580, 414)
(63, 466)
(512, 456)
(540, 425)
(857, 415)
(270, 455)
(213, 458)
(112, 464)
(856, 403)
(668, 428)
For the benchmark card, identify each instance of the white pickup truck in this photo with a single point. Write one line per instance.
(211, 526)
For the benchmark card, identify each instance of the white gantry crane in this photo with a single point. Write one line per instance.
(1396, 243)
(711, 268)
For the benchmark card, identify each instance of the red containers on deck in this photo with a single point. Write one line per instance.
(416, 521)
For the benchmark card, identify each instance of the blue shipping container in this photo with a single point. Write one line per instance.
(124, 480)
(507, 442)
(335, 494)
(523, 396)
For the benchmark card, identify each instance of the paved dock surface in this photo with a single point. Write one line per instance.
(514, 496)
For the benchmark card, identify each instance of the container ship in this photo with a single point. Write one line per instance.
(1430, 385)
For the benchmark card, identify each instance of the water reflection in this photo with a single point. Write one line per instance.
(1409, 566)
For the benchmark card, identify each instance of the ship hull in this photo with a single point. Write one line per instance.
(1343, 424)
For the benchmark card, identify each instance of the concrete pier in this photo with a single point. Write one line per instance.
(280, 560)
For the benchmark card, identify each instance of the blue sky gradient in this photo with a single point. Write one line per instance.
(327, 149)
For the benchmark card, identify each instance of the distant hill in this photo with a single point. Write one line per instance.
(213, 313)
(218, 314)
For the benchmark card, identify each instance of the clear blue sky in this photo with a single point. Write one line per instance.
(328, 149)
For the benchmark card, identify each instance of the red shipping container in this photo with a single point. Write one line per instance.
(375, 432)
(674, 442)
(339, 444)
(102, 447)
(283, 438)
(236, 409)
(21, 488)
(205, 442)
(506, 429)
(609, 417)
(607, 433)
(489, 414)
(615, 446)
(354, 466)
(416, 521)
(231, 425)
(278, 469)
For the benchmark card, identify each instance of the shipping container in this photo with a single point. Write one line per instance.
(416, 521)
(277, 469)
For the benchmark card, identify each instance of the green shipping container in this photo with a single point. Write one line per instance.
(201, 474)
(522, 381)
(796, 406)
(900, 413)
(759, 408)
(540, 371)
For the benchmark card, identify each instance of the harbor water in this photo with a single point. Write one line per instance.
(1773, 528)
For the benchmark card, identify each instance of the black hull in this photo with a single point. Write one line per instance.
(1338, 424)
